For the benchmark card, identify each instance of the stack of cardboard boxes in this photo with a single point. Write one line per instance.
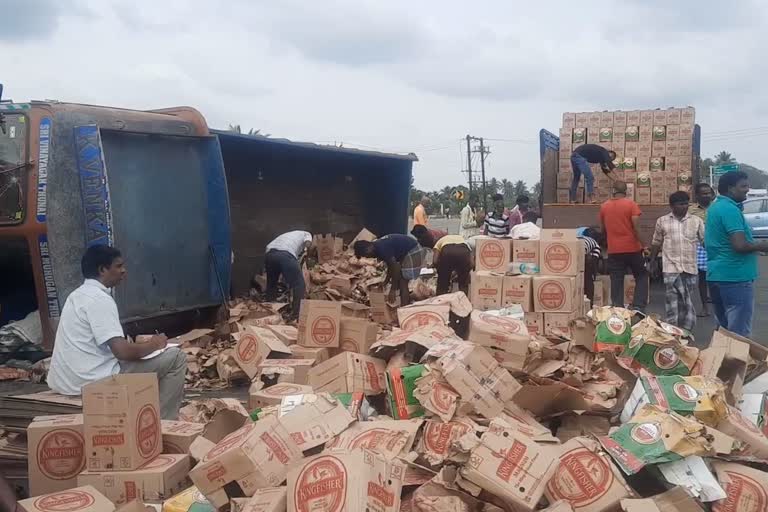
(550, 299)
(654, 151)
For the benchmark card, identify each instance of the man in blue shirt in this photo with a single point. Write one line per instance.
(731, 255)
(403, 256)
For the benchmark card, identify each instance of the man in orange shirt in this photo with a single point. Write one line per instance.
(620, 219)
(420, 212)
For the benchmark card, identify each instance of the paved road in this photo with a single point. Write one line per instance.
(703, 330)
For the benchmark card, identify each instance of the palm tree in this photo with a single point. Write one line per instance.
(236, 128)
(724, 158)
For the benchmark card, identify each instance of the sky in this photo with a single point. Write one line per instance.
(402, 76)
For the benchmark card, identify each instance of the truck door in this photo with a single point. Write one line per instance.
(162, 200)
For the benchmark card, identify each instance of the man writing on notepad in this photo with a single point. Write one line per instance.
(90, 344)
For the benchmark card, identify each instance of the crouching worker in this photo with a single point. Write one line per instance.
(403, 256)
(283, 258)
(450, 254)
(90, 344)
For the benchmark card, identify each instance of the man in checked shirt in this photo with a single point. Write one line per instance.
(677, 236)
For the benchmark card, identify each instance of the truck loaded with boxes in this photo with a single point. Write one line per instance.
(657, 153)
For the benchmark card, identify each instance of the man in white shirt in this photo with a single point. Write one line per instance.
(90, 344)
(282, 258)
(527, 230)
(469, 225)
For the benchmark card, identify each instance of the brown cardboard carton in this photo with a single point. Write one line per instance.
(658, 148)
(486, 290)
(345, 481)
(293, 371)
(313, 420)
(157, 480)
(688, 116)
(502, 333)
(673, 116)
(414, 317)
(674, 500)
(659, 194)
(564, 180)
(255, 456)
(55, 453)
(646, 117)
(606, 118)
(619, 119)
(79, 499)
(561, 252)
(534, 322)
(350, 309)
(746, 488)
(659, 117)
(633, 117)
(381, 311)
(554, 294)
(349, 372)
(564, 165)
(510, 465)
(259, 396)
(357, 335)
(319, 323)
(121, 422)
(630, 149)
(390, 438)
(327, 247)
(271, 499)
(492, 254)
(569, 120)
(254, 345)
(587, 478)
(315, 354)
(738, 426)
(673, 132)
(563, 196)
(288, 334)
(582, 118)
(179, 435)
(559, 324)
(643, 195)
(525, 251)
(629, 289)
(517, 290)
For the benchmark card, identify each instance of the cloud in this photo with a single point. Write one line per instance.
(28, 20)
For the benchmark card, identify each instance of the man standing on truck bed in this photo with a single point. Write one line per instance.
(282, 258)
(731, 255)
(580, 159)
(620, 220)
(90, 344)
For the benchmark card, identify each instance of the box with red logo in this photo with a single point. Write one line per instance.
(502, 333)
(178, 435)
(561, 252)
(511, 465)
(534, 322)
(414, 317)
(79, 499)
(349, 372)
(319, 323)
(121, 422)
(156, 480)
(485, 290)
(357, 335)
(559, 324)
(554, 294)
(339, 480)
(253, 457)
(316, 354)
(517, 290)
(272, 371)
(525, 251)
(254, 345)
(56, 450)
(492, 254)
(288, 334)
(271, 499)
(260, 396)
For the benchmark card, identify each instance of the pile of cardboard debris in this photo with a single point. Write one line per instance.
(455, 409)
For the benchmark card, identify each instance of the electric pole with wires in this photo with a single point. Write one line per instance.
(476, 177)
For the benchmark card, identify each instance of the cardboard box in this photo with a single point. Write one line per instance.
(673, 116)
(744, 486)
(179, 435)
(293, 371)
(561, 252)
(79, 499)
(559, 324)
(328, 246)
(579, 136)
(414, 317)
(630, 149)
(569, 120)
(688, 116)
(594, 117)
(646, 117)
(534, 322)
(288, 334)
(738, 426)
(486, 290)
(629, 290)
(357, 335)
(315, 354)
(631, 133)
(349, 372)
(503, 333)
(339, 480)
(254, 345)
(381, 311)
(525, 251)
(259, 396)
(605, 134)
(254, 457)
(121, 422)
(56, 453)
(658, 148)
(619, 119)
(643, 195)
(659, 117)
(510, 465)
(517, 290)
(656, 164)
(563, 196)
(319, 323)
(659, 194)
(587, 478)
(606, 118)
(564, 180)
(313, 420)
(564, 165)
(673, 148)
(157, 480)
(554, 294)
(492, 254)
(673, 132)
(633, 117)
(673, 500)
(271, 499)
(350, 309)
(582, 118)
(631, 188)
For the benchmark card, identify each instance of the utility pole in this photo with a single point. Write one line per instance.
(476, 178)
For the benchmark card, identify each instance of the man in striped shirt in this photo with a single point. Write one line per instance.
(497, 222)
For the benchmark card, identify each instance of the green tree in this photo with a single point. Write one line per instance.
(519, 189)
(724, 157)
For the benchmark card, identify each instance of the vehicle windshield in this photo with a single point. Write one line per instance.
(13, 154)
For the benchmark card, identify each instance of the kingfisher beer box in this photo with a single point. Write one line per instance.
(492, 254)
(349, 372)
(56, 453)
(121, 422)
(157, 480)
(319, 323)
(554, 294)
(357, 335)
(561, 252)
(259, 396)
(416, 316)
(79, 499)
(486, 290)
(179, 435)
(256, 344)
